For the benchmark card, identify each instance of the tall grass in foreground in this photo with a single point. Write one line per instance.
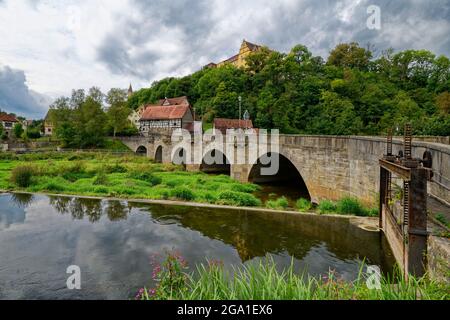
(263, 282)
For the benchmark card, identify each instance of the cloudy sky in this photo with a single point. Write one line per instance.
(49, 47)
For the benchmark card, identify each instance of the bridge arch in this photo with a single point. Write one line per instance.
(179, 157)
(215, 161)
(141, 150)
(159, 154)
(288, 175)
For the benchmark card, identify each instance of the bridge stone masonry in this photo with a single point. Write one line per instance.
(331, 166)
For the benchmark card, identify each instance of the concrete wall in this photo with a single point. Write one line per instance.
(438, 258)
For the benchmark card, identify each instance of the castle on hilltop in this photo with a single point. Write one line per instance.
(238, 60)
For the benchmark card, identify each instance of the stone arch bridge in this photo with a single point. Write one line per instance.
(330, 166)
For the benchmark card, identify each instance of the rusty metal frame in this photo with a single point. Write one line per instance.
(413, 230)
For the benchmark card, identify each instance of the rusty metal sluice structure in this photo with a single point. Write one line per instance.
(403, 204)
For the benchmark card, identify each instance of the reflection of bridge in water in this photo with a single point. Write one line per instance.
(252, 234)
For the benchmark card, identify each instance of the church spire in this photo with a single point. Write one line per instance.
(130, 91)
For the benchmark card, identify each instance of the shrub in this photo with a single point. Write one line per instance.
(374, 212)
(183, 193)
(247, 188)
(147, 177)
(238, 199)
(326, 206)
(303, 205)
(280, 203)
(72, 177)
(22, 176)
(210, 197)
(116, 168)
(101, 179)
(101, 189)
(74, 167)
(123, 190)
(175, 183)
(350, 206)
(54, 186)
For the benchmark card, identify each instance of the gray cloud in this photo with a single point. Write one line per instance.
(165, 38)
(16, 97)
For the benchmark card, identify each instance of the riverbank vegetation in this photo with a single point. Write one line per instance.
(132, 177)
(121, 176)
(263, 281)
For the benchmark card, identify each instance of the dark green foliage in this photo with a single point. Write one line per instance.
(350, 206)
(299, 93)
(101, 179)
(238, 199)
(80, 121)
(278, 204)
(18, 130)
(147, 177)
(326, 206)
(303, 205)
(183, 193)
(22, 175)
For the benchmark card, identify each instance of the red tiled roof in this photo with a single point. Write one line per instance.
(224, 124)
(175, 101)
(164, 112)
(7, 117)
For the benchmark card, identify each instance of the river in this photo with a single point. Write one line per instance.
(113, 243)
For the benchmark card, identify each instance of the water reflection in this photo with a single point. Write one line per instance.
(15, 214)
(113, 241)
(93, 209)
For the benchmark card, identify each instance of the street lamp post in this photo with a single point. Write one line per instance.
(240, 111)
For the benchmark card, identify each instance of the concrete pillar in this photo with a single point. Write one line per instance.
(240, 172)
(417, 228)
(193, 167)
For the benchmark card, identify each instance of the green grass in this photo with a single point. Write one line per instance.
(263, 281)
(133, 177)
(278, 204)
(442, 219)
(303, 205)
(122, 176)
(345, 206)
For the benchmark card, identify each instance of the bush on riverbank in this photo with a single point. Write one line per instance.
(262, 281)
(345, 206)
(278, 204)
(22, 175)
(303, 205)
(234, 198)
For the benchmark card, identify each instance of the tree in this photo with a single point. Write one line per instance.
(118, 110)
(350, 55)
(90, 124)
(1, 129)
(443, 102)
(18, 130)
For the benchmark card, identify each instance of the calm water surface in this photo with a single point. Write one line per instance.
(113, 242)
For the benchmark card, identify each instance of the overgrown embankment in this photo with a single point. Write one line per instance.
(264, 282)
(133, 177)
(124, 176)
